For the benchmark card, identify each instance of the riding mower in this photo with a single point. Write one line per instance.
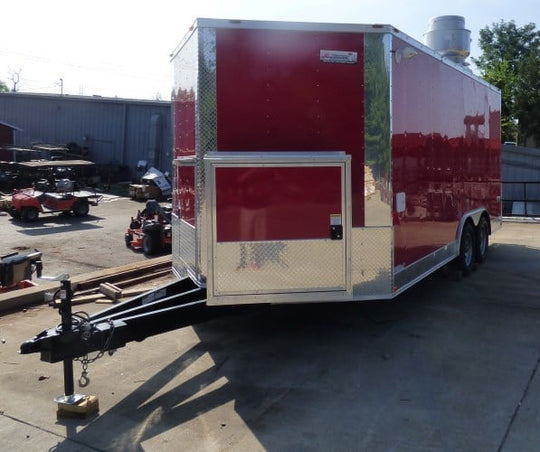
(151, 229)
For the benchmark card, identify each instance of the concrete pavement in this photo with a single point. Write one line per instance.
(449, 365)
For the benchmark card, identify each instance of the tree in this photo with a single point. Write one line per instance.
(511, 61)
(3, 87)
(15, 77)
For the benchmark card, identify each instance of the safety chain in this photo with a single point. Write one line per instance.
(84, 380)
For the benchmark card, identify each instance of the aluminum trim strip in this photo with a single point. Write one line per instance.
(293, 26)
(414, 273)
(272, 158)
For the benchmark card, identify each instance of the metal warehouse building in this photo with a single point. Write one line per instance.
(116, 132)
(520, 172)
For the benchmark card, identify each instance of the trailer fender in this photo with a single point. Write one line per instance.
(474, 217)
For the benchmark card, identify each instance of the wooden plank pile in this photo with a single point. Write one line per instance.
(102, 286)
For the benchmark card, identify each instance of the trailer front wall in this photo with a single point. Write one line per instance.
(275, 94)
(446, 148)
(266, 90)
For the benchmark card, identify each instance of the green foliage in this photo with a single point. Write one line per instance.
(511, 61)
(3, 87)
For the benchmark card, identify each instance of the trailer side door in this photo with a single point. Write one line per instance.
(279, 227)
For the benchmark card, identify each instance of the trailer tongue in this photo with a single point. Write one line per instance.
(176, 305)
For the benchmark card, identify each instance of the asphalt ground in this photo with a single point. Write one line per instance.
(450, 365)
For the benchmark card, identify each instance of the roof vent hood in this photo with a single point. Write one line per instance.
(448, 36)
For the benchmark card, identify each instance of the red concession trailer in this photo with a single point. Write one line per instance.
(313, 163)
(327, 162)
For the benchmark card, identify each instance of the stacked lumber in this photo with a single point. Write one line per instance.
(88, 288)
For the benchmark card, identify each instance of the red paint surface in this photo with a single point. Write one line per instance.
(184, 123)
(184, 195)
(184, 146)
(274, 94)
(276, 203)
(446, 152)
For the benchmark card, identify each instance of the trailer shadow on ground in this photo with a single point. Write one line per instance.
(356, 376)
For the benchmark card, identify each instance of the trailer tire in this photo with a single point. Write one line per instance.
(81, 208)
(482, 240)
(150, 244)
(30, 214)
(467, 250)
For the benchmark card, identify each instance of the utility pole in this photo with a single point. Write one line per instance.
(61, 86)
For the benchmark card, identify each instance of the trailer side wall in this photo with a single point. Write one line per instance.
(445, 151)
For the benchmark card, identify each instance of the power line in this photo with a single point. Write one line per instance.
(105, 68)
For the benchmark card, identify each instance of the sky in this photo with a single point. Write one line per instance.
(119, 48)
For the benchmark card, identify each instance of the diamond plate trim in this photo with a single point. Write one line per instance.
(197, 57)
(185, 80)
(279, 267)
(206, 138)
(371, 262)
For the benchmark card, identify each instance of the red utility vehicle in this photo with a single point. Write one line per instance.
(28, 203)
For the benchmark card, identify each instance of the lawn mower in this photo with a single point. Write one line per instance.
(151, 229)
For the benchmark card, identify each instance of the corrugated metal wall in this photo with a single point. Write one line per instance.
(520, 174)
(115, 131)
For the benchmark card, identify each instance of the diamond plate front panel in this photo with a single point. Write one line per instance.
(278, 267)
(177, 262)
(187, 248)
(196, 73)
(371, 262)
(206, 126)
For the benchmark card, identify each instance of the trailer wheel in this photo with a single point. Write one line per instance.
(81, 208)
(30, 214)
(467, 250)
(482, 240)
(150, 244)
